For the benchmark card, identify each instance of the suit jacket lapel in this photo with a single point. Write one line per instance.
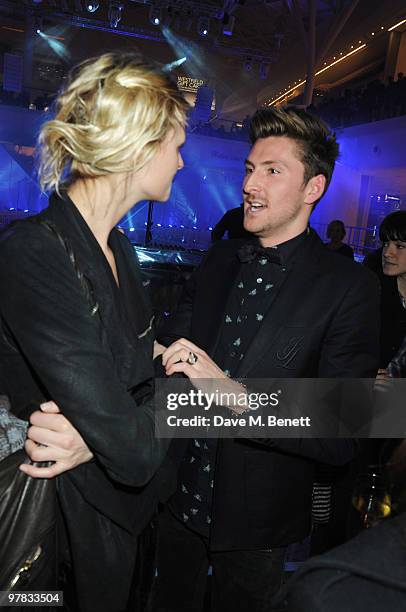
(132, 287)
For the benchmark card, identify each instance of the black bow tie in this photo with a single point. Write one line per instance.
(249, 252)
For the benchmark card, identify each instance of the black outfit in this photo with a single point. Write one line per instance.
(345, 250)
(256, 287)
(393, 320)
(231, 222)
(320, 322)
(97, 366)
(397, 366)
(373, 261)
(366, 573)
(393, 314)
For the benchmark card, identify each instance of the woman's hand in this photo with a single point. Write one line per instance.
(158, 349)
(52, 437)
(204, 374)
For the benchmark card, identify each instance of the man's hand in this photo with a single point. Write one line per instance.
(51, 437)
(175, 359)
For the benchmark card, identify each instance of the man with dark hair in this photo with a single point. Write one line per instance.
(284, 307)
(231, 222)
(317, 146)
(336, 233)
(281, 306)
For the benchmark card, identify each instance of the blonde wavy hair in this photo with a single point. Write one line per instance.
(112, 116)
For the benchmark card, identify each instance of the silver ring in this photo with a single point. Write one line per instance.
(192, 359)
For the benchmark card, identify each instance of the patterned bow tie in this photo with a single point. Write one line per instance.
(249, 252)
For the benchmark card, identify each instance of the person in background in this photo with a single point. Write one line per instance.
(367, 572)
(336, 232)
(392, 234)
(231, 222)
(76, 324)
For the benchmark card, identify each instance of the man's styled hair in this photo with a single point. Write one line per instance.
(317, 144)
(393, 227)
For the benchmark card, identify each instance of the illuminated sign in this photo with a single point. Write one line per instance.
(188, 84)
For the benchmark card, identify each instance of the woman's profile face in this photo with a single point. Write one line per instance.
(155, 179)
(394, 258)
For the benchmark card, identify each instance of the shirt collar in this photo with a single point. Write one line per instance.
(287, 249)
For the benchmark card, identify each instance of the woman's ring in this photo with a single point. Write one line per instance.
(192, 358)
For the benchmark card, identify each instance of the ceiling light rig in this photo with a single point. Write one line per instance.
(155, 15)
(302, 82)
(203, 26)
(115, 9)
(362, 45)
(397, 25)
(228, 24)
(92, 7)
(263, 71)
(248, 64)
(204, 15)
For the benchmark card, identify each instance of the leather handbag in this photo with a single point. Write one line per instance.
(28, 545)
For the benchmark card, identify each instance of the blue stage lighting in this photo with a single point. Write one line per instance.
(228, 25)
(92, 7)
(115, 9)
(203, 26)
(155, 15)
(175, 64)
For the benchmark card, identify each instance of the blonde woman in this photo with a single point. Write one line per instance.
(76, 325)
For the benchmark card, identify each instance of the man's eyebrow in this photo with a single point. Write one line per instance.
(267, 162)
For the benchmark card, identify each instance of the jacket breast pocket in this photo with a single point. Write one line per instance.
(297, 346)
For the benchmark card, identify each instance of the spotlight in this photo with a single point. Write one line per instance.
(203, 26)
(175, 64)
(155, 15)
(228, 24)
(263, 71)
(92, 7)
(115, 9)
(38, 25)
(248, 65)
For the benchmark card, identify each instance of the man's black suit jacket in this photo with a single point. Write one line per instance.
(263, 488)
